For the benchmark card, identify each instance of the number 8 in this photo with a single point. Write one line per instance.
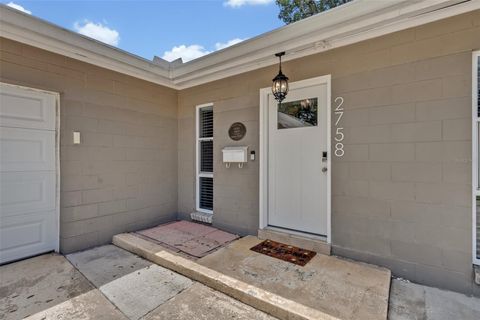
(339, 152)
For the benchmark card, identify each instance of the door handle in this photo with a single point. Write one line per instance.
(324, 169)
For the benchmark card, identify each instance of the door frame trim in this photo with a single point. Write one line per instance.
(57, 150)
(263, 153)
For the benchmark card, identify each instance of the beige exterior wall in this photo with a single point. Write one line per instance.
(124, 174)
(402, 192)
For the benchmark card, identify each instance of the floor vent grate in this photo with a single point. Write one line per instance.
(202, 217)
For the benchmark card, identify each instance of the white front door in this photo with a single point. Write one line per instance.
(298, 159)
(28, 206)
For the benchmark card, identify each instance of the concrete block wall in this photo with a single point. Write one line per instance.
(123, 176)
(403, 198)
(401, 194)
(235, 190)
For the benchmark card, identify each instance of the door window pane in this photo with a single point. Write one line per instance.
(297, 114)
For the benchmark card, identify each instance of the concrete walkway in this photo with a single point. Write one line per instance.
(49, 287)
(109, 283)
(409, 301)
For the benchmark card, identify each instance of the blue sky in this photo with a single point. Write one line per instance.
(168, 29)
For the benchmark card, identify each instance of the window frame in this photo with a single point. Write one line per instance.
(475, 150)
(198, 173)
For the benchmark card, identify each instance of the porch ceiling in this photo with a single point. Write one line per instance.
(347, 24)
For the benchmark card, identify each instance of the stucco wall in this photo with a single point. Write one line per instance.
(401, 194)
(123, 176)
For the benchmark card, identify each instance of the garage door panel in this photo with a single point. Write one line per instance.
(25, 192)
(25, 235)
(28, 180)
(26, 149)
(23, 108)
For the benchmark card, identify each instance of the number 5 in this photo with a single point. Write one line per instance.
(339, 133)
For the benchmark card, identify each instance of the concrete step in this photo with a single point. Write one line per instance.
(326, 288)
(341, 288)
(258, 298)
(304, 241)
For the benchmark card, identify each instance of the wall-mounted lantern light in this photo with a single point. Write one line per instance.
(280, 82)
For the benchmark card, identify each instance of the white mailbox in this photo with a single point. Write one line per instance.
(235, 154)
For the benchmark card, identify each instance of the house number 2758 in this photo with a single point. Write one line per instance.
(339, 135)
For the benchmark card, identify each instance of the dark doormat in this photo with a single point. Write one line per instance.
(284, 252)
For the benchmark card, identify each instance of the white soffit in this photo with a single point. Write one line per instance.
(347, 24)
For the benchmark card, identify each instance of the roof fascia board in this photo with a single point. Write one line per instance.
(296, 48)
(26, 29)
(356, 14)
(317, 33)
(287, 33)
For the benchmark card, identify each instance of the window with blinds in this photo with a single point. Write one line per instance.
(476, 156)
(205, 158)
(477, 240)
(478, 86)
(206, 193)
(206, 122)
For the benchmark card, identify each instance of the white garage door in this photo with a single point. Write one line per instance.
(28, 201)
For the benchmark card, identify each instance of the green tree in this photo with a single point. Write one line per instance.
(294, 10)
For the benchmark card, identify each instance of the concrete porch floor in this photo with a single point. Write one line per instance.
(337, 287)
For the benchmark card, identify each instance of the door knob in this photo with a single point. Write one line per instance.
(324, 169)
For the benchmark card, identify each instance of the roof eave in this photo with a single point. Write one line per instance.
(39, 33)
(361, 20)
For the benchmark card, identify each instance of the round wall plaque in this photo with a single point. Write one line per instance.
(237, 131)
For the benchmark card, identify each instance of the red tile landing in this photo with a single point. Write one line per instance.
(194, 239)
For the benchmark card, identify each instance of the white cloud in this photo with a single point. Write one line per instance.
(18, 7)
(187, 53)
(98, 31)
(240, 3)
(194, 51)
(223, 45)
